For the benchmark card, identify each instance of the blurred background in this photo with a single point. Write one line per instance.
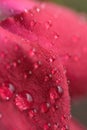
(79, 108)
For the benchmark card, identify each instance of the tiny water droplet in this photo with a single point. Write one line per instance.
(48, 24)
(19, 61)
(56, 36)
(30, 72)
(38, 10)
(52, 59)
(32, 24)
(32, 52)
(46, 78)
(26, 10)
(23, 100)
(7, 91)
(65, 127)
(32, 113)
(56, 126)
(56, 92)
(45, 107)
(36, 66)
(47, 126)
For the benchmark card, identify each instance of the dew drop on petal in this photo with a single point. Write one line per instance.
(45, 107)
(65, 127)
(47, 126)
(7, 91)
(48, 24)
(38, 10)
(32, 52)
(56, 92)
(14, 64)
(36, 65)
(56, 126)
(56, 36)
(32, 113)
(23, 100)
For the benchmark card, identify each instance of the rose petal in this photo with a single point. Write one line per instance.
(64, 31)
(11, 7)
(76, 126)
(27, 66)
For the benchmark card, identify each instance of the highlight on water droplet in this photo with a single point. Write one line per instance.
(7, 91)
(23, 100)
(45, 107)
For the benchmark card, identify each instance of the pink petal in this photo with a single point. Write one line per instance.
(27, 67)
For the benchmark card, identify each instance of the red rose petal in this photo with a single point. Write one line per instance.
(64, 32)
(32, 86)
(76, 126)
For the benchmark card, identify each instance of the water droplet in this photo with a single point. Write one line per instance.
(6, 91)
(47, 126)
(48, 24)
(56, 92)
(65, 127)
(36, 66)
(26, 10)
(56, 126)
(46, 78)
(45, 107)
(23, 100)
(30, 72)
(54, 108)
(14, 64)
(32, 23)
(52, 59)
(56, 36)
(32, 113)
(32, 52)
(38, 10)
(19, 61)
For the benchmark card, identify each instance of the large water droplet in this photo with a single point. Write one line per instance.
(23, 100)
(47, 126)
(45, 107)
(56, 92)
(6, 91)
